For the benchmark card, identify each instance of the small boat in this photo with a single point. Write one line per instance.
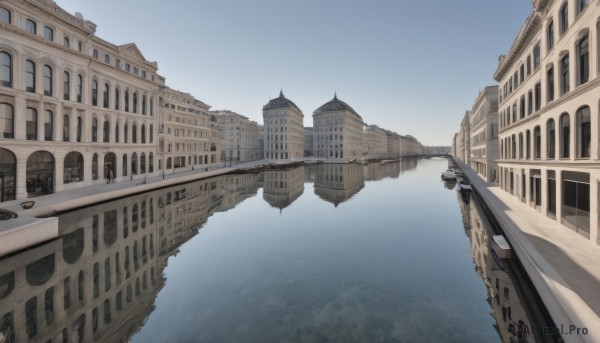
(449, 175)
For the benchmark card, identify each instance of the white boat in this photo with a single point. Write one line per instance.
(448, 175)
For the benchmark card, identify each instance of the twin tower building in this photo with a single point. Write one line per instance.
(339, 132)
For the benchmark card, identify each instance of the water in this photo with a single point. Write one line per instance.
(326, 253)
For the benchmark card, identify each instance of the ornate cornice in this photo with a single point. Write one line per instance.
(528, 30)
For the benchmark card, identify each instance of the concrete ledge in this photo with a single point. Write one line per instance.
(20, 233)
(565, 306)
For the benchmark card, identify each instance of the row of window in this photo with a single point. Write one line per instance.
(6, 71)
(583, 139)
(534, 97)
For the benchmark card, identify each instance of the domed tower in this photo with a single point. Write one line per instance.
(338, 131)
(283, 129)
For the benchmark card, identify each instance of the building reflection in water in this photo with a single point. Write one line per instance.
(282, 187)
(379, 171)
(99, 280)
(501, 277)
(336, 183)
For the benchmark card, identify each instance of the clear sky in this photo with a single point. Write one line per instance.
(409, 66)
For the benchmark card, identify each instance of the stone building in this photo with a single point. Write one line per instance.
(283, 129)
(240, 137)
(410, 146)
(74, 108)
(548, 114)
(309, 147)
(336, 183)
(375, 142)
(338, 131)
(483, 123)
(187, 137)
(393, 144)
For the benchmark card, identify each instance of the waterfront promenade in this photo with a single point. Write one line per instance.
(563, 266)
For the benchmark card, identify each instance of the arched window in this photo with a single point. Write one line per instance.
(169, 163)
(5, 68)
(117, 95)
(30, 26)
(106, 95)
(94, 93)
(133, 133)
(48, 125)
(30, 76)
(583, 60)
(551, 137)
(110, 162)
(135, 100)
(134, 218)
(7, 121)
(73, 167)
(66, 86)
(47, 80)
(143, 133)
(563, 16)
(95, 167)
(124, 164)
(528, 144)
(144, 104)
(94, 130)
(142, 163)
(31, 124)
(117, 132)
(151, 133)
(125, 133)
(565, 135)
(40, 173)
(5, 16)
(564, 74)
(150, 163)
(584, 132)
(550, 34)
(79, 88)
(8, 168)
(537, 142)
(134, 162)
(126, 100)
(106, 131)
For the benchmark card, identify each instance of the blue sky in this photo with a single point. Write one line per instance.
(413, 67)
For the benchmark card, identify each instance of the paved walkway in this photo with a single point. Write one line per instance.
(563, 266)
(61, 201)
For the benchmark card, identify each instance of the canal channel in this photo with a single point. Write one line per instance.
(323, 253)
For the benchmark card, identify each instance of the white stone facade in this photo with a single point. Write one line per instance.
(483, 124)
(283, 130)
(187, 136)
(549, 100)
(240, 137)
(338, 131)
(74, 109)
(375, 144)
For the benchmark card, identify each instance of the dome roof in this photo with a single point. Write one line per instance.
(280, 102)
(336, 105)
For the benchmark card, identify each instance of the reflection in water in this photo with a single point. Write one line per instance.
(336, 183)
(100, 280)
(501, 277)
(283, 187)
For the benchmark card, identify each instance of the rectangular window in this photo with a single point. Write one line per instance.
(528, 65)
(118, 63)
(66, 128)
(536, 57)
(550, 35)
(550, 84)
(522, 73)
(538, 96)
(564, 74)
(551, 194)
(583, 61)
(576, 202)
(66, 42)
(529, 103)
(106, 59)
(564, 18)
(80, 46)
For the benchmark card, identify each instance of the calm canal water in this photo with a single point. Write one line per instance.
(325, 253)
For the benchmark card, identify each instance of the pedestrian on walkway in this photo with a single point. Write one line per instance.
(110, 176)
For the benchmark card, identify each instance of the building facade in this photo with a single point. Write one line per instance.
(309, 135)
(75, 110)
(338, 131)
(375, 142)
(549, 102)
(283, 129)
(187, 135)
(240, 137)
(483, 123)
